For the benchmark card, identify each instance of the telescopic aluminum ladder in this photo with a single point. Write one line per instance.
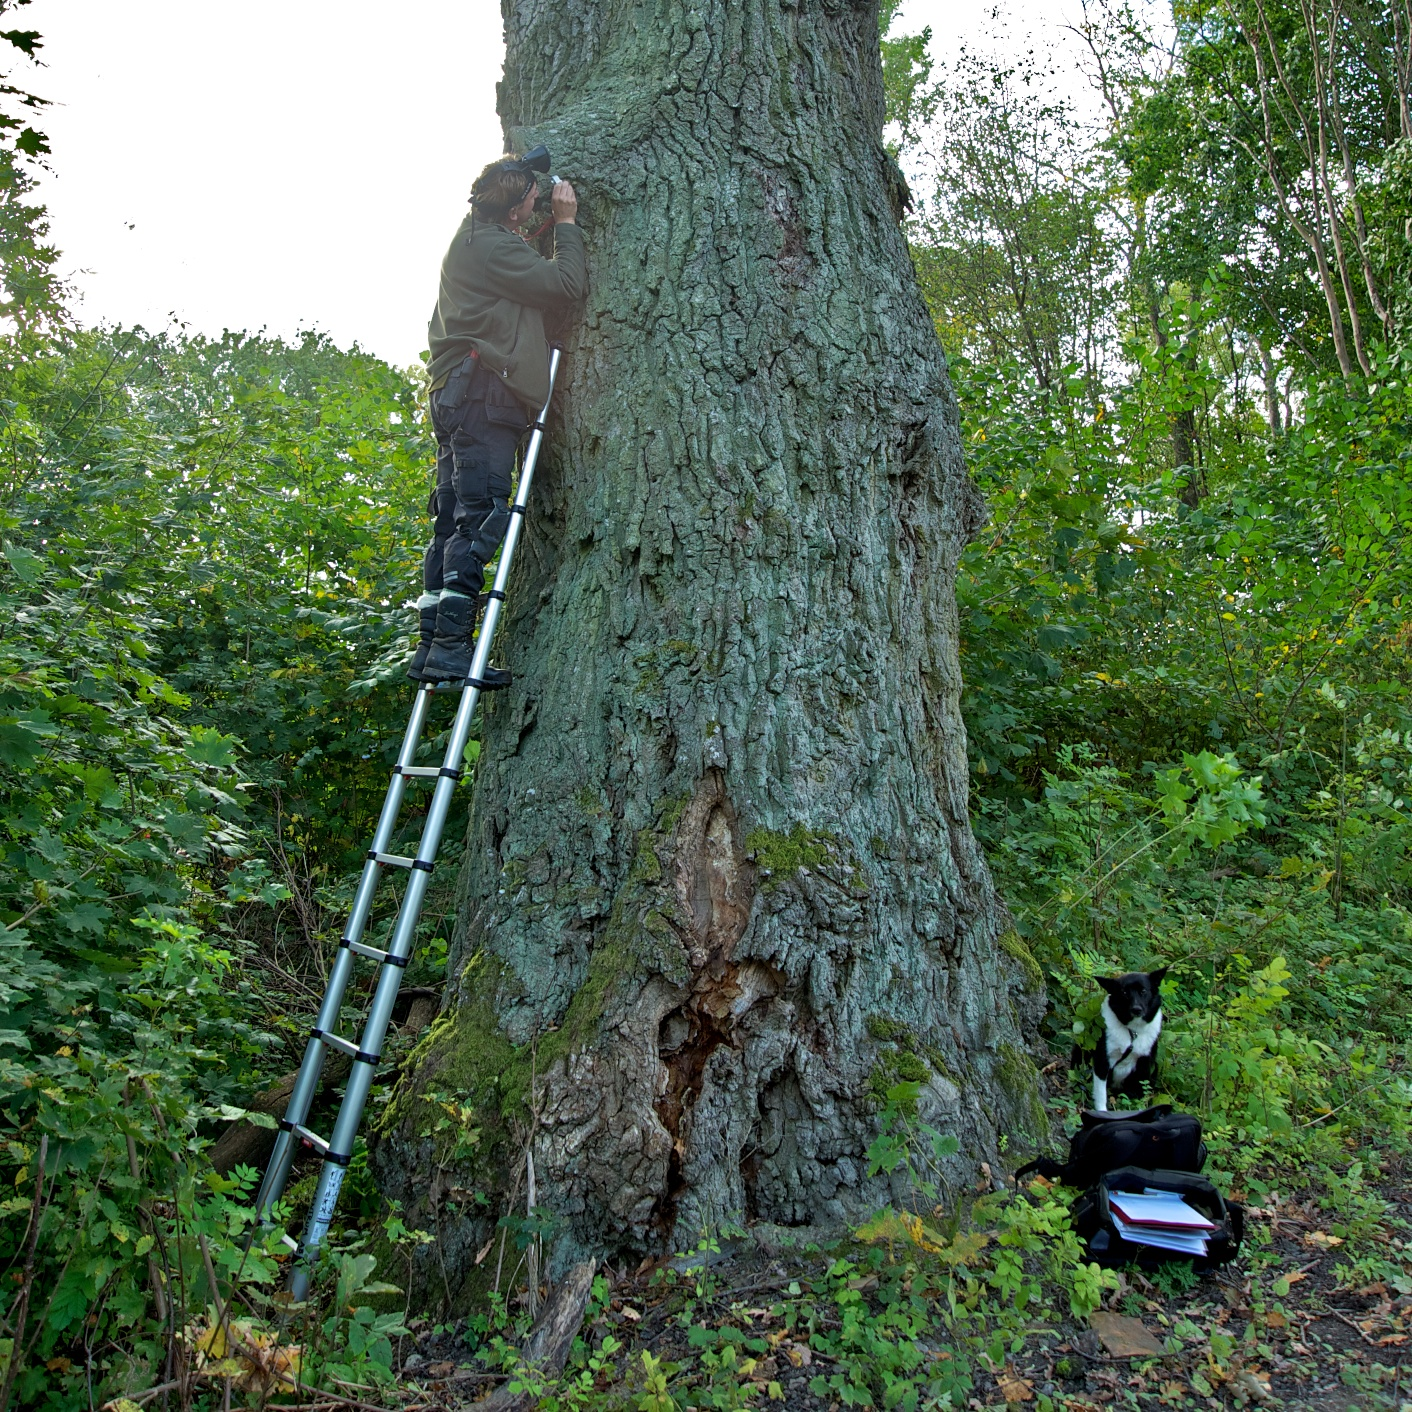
(337, 1149)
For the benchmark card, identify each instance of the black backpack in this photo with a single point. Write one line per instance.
(1155, 1139)
(1093, 1222)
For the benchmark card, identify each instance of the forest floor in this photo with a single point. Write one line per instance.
(1289, 1324)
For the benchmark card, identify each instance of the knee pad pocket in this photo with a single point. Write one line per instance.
(488, 535)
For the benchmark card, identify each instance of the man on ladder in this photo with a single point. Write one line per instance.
(489, 360)
(489, 378)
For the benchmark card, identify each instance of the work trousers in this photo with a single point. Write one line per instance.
(479, 425)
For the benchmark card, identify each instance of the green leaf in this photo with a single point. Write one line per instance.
(904, 1095)
(187, 831)
(943, 1144)
(24, 740)
(353, 1270)
(210, 747)
(28, 566)
(89, 917)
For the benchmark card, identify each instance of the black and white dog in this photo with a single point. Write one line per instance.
(1132, 1021)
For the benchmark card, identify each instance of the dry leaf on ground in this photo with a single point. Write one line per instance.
(1014, 1389)
(1125, 1337)
(1254, 1385)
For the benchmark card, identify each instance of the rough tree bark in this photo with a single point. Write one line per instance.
(719, 886)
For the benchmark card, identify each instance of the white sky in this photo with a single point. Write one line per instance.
(286, 164)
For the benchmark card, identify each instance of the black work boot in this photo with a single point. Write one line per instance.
(426, 613)
(454, 645)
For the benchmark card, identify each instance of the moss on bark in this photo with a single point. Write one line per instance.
(779, 856)
(1021, 1104)
(1009, 942)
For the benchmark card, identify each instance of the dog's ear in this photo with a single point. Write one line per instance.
(1109, 983)
(1157, 977)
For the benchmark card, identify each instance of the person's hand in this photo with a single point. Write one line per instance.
(564, 203)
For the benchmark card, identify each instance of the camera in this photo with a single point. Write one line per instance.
(537, 160)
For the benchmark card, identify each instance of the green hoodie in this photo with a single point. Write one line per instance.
(495, 292)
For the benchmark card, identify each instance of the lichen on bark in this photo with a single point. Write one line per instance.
(734, 637)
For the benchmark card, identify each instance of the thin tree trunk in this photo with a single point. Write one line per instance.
(1333, 115)
(1325, 75)
(719, 867)
(1272, 390)
(1402, 62)
(1185, 458)
(1265, 52)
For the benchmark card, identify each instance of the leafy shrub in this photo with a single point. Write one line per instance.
(170, 705)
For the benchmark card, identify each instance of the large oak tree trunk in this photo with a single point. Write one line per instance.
(719, 872)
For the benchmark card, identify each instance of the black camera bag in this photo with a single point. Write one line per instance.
(1093, 1221)
(1155, 1138)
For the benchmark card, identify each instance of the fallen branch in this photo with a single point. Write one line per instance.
(1343, 1319)
(759, 1287)
(140, 1397)
(334, 1402)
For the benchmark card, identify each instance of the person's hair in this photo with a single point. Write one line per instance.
(501, 187)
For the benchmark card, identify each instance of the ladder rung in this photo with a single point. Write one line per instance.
(313, 1139)
(426, 772)
(321, 1147)
(396, 860)
(461, 685)
(361, 948)
(345, 1046)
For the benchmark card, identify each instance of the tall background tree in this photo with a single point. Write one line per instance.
(1021, 260)
(1291, 108)
(719, 862)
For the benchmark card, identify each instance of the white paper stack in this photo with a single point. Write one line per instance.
(1161, 1219)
